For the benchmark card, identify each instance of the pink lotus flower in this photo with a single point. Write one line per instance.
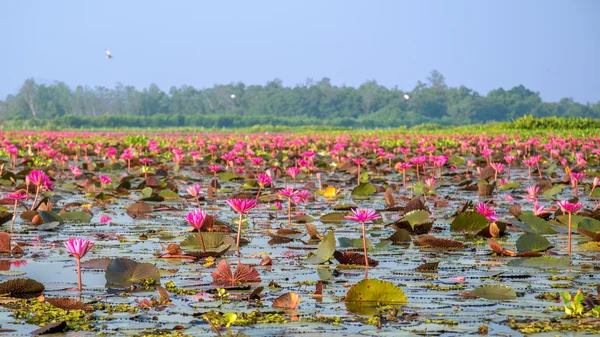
(41, 180)
(264, 179)
(256, 161)
(508, 197)
(105, 180)
(400, 166)
(287, 192)
(498, 167)
(18, 195)
(301, 196)
(293, 171)
(532, 192)
(539, 210)
(105, 219)
(510, 159)
(145, 160)
(358, 161)
(363, 215)
(569, 207)
(488, 212)
(430, 183)
(195, 191)
(241, 205)
(214, 168)
(196, 218)
(75, 170)
(78, 247)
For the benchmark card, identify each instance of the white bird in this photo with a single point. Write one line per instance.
(108, 55)
(406, 96)
(232, 96)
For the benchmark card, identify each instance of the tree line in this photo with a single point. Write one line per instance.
(311, 103)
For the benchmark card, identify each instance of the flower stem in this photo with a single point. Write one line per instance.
(79, 274)
(202, 241)
(569, 236)
(239, 234)
(364, 237)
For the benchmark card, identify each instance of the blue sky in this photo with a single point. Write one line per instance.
(549, 46)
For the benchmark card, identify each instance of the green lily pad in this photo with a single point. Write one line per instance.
(354, 243)
(168, 194)
(556, 189)
(497, 292)
(365, 296)
(456, 160)
(211, 240)
(416, 217)
(77, 216)
(589, 224)
(589, 247)
(147, 192)
(325, 249)
(540, 262)
(123, 273)
(227, 176)
(363, 190)
(535, 224)
(333, 217)
(532, 242)
(400, 236)
(508, 186)
(469, 222)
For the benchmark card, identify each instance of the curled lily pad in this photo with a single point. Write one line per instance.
(51, 328)
(325, 249)
(498, 292)
(69, 304)
(437, 243)
(287, 301)
(123, 273)
(400, 236)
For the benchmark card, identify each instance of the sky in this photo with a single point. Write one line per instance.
(551, 47)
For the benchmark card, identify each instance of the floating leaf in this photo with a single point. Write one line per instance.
(19, 287)
(415, 204)
(227, 176)
(589, 247)
(5, 217)
(532, 242)
(312, 232)
(469, 222)
(363, 190)
(169, 195)
(77, 216)
(416, 217)
(139, 210)
(556, 189)
(69, 304)
(123, 273)
(365, 296)
(212, 240)
(353, 258)
(329, 192)
(287, 301)
(508, 186)
(540, 262)
(50, 328)
(535, 224)
(243, 274)
(325, 249)
(333, 217)
(589, 234)
(499, 250)
(96, 264)
(354, 243)
(497, 292)
(437, 243)
(5, 243)
(429, 267)
(400, 236)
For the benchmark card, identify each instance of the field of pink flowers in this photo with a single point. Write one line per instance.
(287, 234)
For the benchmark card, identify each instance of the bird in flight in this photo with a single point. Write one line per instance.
(108, 55)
